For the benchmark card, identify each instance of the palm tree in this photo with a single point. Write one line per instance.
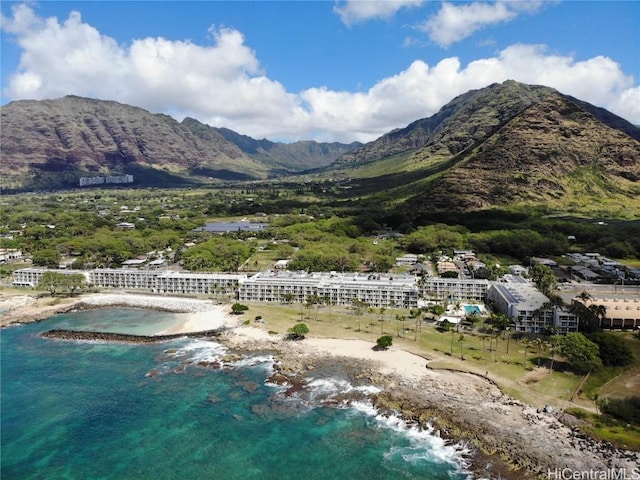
(398, 320)
(359, 306)
(540, 344)
(452, 334)
(552, 349)
(484, 347)
(382, 310)
(416, 313)
(584, 296)
(460, 340)
(599, 311)
(370, 311)
(525, 343)
(327, 301)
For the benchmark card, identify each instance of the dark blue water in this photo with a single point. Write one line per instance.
(83, 410)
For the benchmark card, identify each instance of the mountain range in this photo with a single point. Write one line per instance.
(507, 144)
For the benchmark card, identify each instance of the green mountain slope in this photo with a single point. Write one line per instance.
(509, 145)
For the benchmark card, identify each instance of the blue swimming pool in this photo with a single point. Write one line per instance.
(471, 309)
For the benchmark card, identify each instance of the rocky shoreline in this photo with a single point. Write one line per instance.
(511, 440)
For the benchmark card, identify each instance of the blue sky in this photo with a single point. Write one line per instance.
(291, 70)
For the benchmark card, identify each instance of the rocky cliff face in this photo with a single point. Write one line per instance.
(467, 119)
(470, 119)
(553, 150)
(84, 137)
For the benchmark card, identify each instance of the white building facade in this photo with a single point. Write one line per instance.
(376, 290)
(155, 281)
(528, 309)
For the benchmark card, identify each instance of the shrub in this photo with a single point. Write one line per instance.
(624, 409)
(384, 342)
(298, 331)
(238, 308)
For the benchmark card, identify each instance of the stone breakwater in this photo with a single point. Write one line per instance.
(123, 337)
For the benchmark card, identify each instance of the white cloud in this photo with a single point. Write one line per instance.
(355, 11)
(453, 23)
(223, 84)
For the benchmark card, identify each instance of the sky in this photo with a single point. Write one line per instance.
(346, 70)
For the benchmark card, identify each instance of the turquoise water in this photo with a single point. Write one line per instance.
(88, 410)
(471, 309)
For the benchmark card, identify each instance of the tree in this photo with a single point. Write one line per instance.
(48, 257)
(460, 340)
(416, 313)
(581, 352)
(73, 282)
(50, 281)
(298, 331)
(56, 282)
(384, 342)
(525, 342)
(359, 306)
(539, 342)
(382, 310)
(588, 321)
(238, 308)
(544, 278)
(613, 350)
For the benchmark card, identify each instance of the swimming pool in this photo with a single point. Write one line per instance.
(471, 309)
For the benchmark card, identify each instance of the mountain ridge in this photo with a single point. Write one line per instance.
(503, 145)
(49, 144)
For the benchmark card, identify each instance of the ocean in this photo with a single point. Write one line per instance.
(81, 410)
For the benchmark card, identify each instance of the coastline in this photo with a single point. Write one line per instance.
(511, 439)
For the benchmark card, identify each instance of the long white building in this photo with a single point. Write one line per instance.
(377, 290)
(157, 281)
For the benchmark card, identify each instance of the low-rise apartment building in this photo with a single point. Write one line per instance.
(377, 290)
(454, 288)
(622, 311)
(156, 281)
(529, 309)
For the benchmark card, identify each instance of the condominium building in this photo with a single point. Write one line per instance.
(377, 290)
(30, 277)
(453, 288)
(151, 280)
(528, 308)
